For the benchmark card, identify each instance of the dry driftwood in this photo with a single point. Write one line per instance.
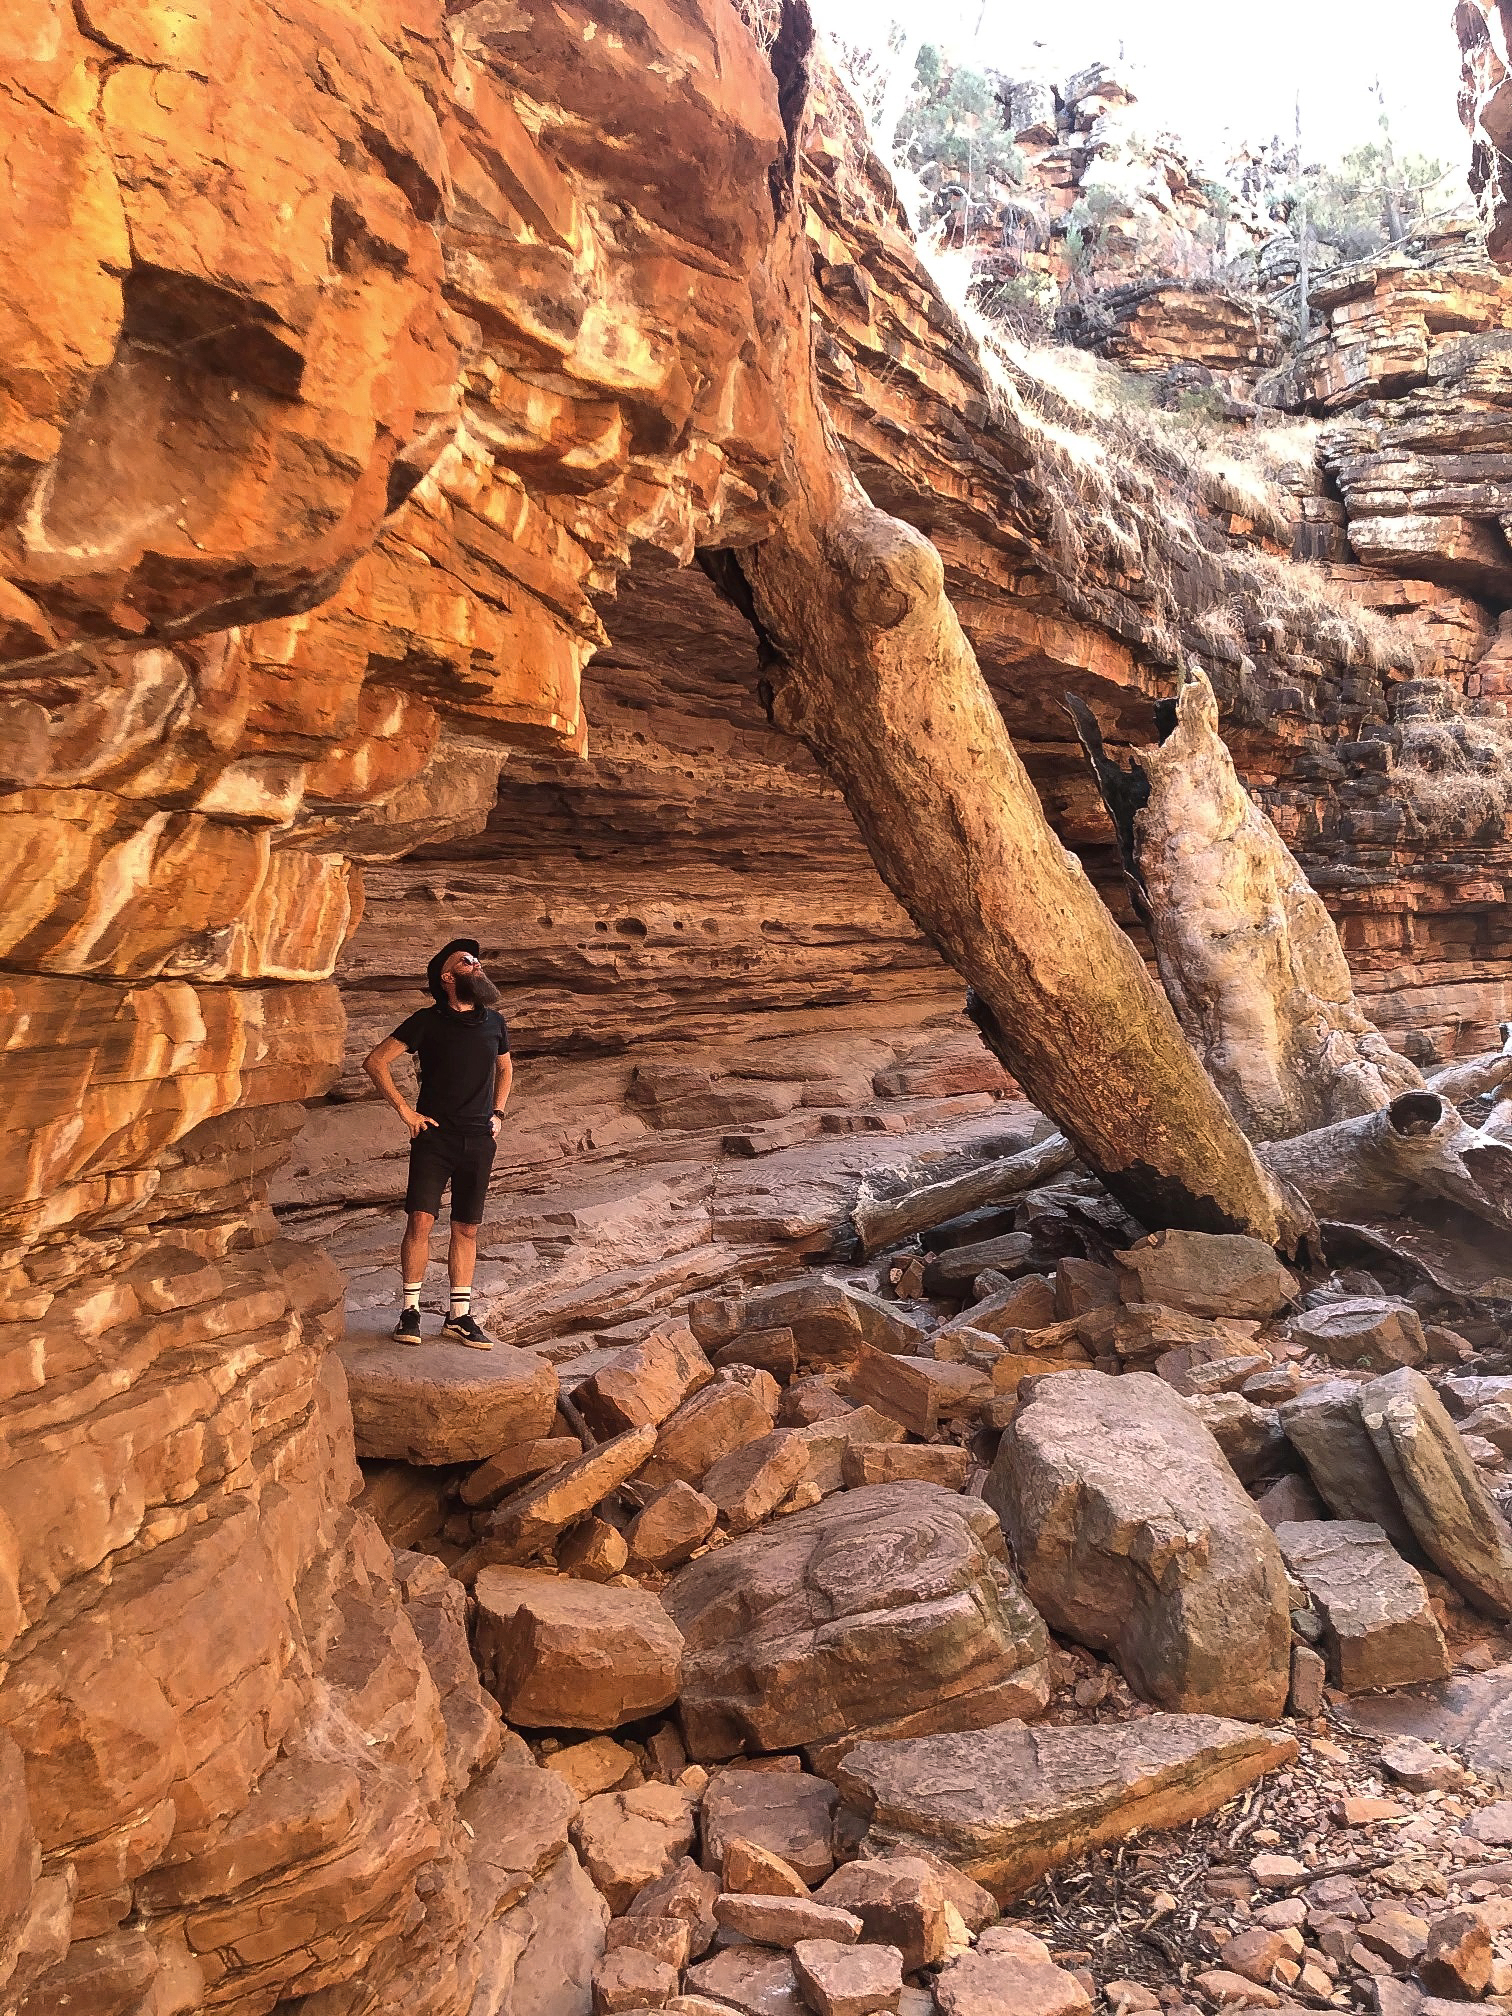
(869, 665)
(1473, 1077)
(883, 1221)
(1380, 1162)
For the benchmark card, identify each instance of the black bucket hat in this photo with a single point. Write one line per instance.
(433, 970)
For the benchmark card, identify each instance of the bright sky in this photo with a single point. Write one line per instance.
(1218, 76)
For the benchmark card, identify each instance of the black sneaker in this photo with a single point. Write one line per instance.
(407, 1329)
(467, 1330)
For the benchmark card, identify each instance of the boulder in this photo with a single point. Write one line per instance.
(628, 1839)
(829, 1320)
(1206, 1273)
(446, 1404)
(593, 1550)
(519, 1819)
(631, 1978)
(749, 1484)
(840, 1980)
(669, 1940)
(664, 1533)
(540, 1957)
(1009, 1984)
(900, 1900)
(526, 1524)
(644, 1383)
(1249, 1436)
(1290, 1498)
(1134, 1536)
(1379, 1629)
(1368, 1330)
(1454, 1517)
(1008, 1803)
(684, 1892)
(917, 1392)
(484, 1487)
(754, 1871)
(1323, 1425)
(751, 1978)
(723, 1417)
(597, 1765)
(890, 1609)
(788, 1813)
(560, 1654)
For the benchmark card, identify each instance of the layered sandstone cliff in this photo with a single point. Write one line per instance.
(328, 434)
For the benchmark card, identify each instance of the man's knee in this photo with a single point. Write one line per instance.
(419, 1221)
(464, 1232)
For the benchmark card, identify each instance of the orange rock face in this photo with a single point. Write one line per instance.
(327, 397)
(346, 354)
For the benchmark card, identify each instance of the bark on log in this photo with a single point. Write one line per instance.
(1246, 949)
(1472, 1077)
(883, 1221)
(1381, 1162)
(870, 667)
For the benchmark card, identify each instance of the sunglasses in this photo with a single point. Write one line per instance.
(467, 959)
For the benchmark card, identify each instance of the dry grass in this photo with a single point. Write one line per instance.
(1454, 769)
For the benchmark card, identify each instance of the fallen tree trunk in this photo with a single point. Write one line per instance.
(883, 1221)
(869, 665)
(1378, 1162)
(1472, 1077)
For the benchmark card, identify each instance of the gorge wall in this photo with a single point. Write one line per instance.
(328, 436)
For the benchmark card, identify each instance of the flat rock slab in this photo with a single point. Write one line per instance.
(562, 1654)
(1379, 1627)
(783, 1921)
(886, 1610)
(1457, 1522)
(1134, 1535)
(443, 1403)
(1006, 1804)
(1471, 1715)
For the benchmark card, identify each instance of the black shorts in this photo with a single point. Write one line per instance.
(442, 1155)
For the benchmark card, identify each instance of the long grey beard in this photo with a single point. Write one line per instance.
(477, 988)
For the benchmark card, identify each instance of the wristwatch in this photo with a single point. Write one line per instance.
(498, 1113)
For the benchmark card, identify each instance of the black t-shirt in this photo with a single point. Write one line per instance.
(458, 1056)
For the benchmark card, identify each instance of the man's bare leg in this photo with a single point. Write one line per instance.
(461, 1260)
(414, 1247)
(414, 1256)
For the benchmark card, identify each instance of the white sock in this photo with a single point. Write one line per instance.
(412, 1294)
(461, 1301)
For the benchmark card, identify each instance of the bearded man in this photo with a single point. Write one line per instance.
(461, 1048)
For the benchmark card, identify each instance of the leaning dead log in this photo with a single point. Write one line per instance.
(1383, 1162)
(883, 1221)
(1246, 949)
(869, 665)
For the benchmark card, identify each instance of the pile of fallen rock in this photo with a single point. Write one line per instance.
(832, 1621)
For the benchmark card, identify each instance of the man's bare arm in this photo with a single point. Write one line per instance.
(503, 1080)
(377, 1064)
